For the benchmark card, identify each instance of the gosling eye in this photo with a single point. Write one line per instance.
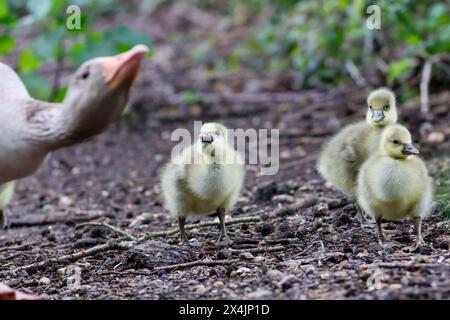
(386, 107)
(371, 108)
(395, 141)
(217, 132)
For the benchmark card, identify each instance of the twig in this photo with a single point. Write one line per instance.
(307, 249)
(37, 220)
(197, 263)
(54, 262)
(355, 74)
(59, 68)
(107, 225)
(259, 250)
(24, 246)
(424, 86)
(394, 265)
(135, 273)
(156, 234)
(13, 256)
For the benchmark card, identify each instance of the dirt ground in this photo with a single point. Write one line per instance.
(302, 240)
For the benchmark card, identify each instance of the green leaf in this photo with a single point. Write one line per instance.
(45, 46)
(190, 97)
(38, 85)
(398, 68)
(4, 11)
(60, 94)
(437, 10)
(125, 39)
(6, 44)
(413, 39)
(8, 20)
(82, 52)
(27, 61)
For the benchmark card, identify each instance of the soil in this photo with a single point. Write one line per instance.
(306, 240)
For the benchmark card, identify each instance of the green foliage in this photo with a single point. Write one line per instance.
(399, 69)
(315, 39)
(6, 44)
(4, 11)
(55, 42)
(190, 97)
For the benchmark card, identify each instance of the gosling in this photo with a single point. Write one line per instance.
(207, 176)
(394, 184)
(344, 154)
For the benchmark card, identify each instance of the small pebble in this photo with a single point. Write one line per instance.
(275, 275)
(45, 281)
(200, 289)
(246, 256)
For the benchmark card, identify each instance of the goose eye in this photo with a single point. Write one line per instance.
(371, 108)
(396, 141)
(386, 107)
(217, 132)
(85, 74)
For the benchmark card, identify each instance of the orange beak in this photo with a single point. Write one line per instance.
(123, 68)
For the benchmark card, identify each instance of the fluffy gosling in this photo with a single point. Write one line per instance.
(394, 183)
(205, 177)
(344, 154)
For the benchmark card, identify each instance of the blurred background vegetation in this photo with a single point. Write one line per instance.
(54, 42)
(321, 43)
(325, 42)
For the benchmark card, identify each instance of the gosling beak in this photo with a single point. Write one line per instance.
(123, 68)
(409, 149)
(377, 115)
(206, 137)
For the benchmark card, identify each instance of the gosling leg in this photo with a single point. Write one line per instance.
(5, 223)
(417, 221)
(359, 211)
(181, 223)
(223, 231)
(381, 238)
(385, 243)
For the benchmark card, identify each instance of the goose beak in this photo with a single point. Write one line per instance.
(206, 137)
(409, 149)
(377, 115)
(122, 69)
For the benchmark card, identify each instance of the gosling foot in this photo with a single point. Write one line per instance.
(360, 214)
(183, 239)
(388, 244)
(391, 244)
(417, 221)
(417, 244)
(223, 241)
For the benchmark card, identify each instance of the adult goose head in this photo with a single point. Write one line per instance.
(30, 129)
(96, 96)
